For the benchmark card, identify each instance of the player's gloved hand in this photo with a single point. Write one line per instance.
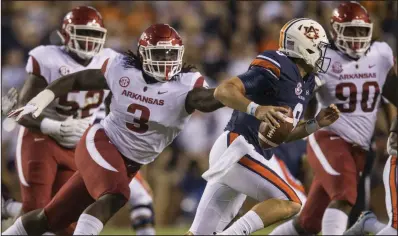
(271, 115)
(34, 106)
(67, 133)
(327, 116)
(8, 101)
(392, 144)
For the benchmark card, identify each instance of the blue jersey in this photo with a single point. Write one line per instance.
(272, 79)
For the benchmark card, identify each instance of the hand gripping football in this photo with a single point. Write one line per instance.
(271, 137)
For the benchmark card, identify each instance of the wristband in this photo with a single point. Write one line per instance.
(41, 101)
(49, 126)
(251, 108)
(311, 126)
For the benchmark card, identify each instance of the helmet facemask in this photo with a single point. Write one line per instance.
(314, 56)
(162, 62)
(85, 40)
(317, 58)
(353, 38)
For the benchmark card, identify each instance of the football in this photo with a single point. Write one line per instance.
(271, 137)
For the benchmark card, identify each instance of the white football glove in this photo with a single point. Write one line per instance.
(67, 133)
(8, 101)
(34, 106)
(392, 144)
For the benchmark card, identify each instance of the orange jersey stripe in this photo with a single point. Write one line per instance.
(393, 191)
(288, 177)
(271, 176)
(231, 138)
(267, 65)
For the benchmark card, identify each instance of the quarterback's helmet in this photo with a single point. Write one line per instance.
(83, 31)
(306, 39)
(351, 29)
(161, 50)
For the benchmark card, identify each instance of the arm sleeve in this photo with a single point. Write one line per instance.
(387, 54)
(257, 79)
(108, 66)
(33, 66)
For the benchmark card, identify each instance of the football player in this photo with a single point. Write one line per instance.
(46, 145)
(367, 221)
(9, 207)
(355, 83)
(239, 167)
(153, 96)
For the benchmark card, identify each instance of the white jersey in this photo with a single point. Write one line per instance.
(53, 62)
(356, 87)
(145, 118)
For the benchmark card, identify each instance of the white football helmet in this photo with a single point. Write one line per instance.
(306, 39)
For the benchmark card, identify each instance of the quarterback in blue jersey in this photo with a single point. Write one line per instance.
(238, 166)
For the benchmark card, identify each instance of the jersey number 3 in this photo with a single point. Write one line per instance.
(351, 104)
(139, 125)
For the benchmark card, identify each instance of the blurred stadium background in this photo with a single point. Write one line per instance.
(221, 38)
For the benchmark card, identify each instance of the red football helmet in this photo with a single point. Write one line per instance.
(161, 50)
(351, 29)
(83, 31)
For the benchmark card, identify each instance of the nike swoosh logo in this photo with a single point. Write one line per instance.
(370, 66)
(333, 138)
(162, 92)
(38, 139)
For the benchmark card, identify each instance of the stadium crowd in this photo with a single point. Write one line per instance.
(220, 37)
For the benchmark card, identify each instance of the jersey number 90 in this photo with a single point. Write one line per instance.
(352, 102)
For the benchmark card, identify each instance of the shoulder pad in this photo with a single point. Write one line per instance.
(41, 53)
(108, 52)
(192, 79)
(383, 48)
(269, 60)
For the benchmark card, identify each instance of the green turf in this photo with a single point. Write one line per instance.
(165, 231)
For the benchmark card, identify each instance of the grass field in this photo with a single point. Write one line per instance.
(165, 231)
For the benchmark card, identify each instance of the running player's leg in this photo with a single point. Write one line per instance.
(390, 176)
(64, 209)
(283, 171)
(278, 200)
(219, 203)
(36, 167)
(106, 175)
(338, 164)
(141, 202)
(310, 218)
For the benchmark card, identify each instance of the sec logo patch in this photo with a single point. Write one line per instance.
(124, 82)
(337, 67)
(299, 89)
(63, 70)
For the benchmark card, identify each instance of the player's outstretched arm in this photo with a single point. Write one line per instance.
(92, 79)
(32, 86)
(202, 99)
(232, 93)
(325, 117)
